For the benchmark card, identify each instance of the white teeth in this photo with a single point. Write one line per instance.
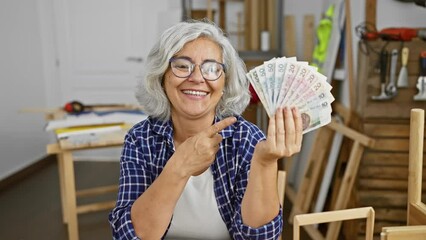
(196, 93)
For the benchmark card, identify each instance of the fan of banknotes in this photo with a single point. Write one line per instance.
(282, 82)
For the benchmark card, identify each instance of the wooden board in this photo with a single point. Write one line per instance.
(308, 37)
(290, 46)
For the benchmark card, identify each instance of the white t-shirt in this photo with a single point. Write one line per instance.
(196, 215)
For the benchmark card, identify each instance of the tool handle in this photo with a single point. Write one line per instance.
(422, 61)
(394, 60)
(404, 56)
(383, 65)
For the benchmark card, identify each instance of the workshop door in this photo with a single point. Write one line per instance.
(102, 46)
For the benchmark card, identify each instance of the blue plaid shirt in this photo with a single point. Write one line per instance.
(147, 148)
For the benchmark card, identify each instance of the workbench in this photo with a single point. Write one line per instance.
(69, 193)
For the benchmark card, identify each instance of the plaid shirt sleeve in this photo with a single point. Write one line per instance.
(271, 230)
(134, 180)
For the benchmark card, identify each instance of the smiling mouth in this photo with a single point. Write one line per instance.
(194, 93)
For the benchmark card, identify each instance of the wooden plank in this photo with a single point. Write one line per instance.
(394, 172)
(254, 25)
(415, 211)
(385, 158)
(222, 14)
(210, 10)
(392, 145)
(349, 55)
(318, 154)
(385, 184)
(381, 184)
(53, 148)
(247, 24)
(342, 111)
(272, 23)
(346, 187)
(61, 173)
(290, 193)
(93, 207)
(382, 198)
(387, 130)
(390, 214)
(97, 191)
(340, 169)
(313, 232)
(381, 224)
(334, 216)
(290, 43)
(308, 37)
(417, 214)
(404, 233)
(71, 201)
(352, 134)
(262, 8)
(377, 228)
(371, 11)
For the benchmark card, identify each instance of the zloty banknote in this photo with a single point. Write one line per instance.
(316, 105)
(313, 119)
(280, 64)
(315, 84)
(286, 82)
(289, 75)
(255, 82)
(261, 74)
(315, 115)
(269, 67)
(297, 85)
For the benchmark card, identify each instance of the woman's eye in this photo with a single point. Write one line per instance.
(182, 67)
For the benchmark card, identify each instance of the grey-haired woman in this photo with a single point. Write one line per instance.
(195, 169)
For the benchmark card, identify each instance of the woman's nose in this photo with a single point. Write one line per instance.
(196, 75)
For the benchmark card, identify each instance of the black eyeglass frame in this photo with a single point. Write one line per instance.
(172, 59)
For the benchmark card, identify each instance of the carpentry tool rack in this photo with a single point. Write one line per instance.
(368, 82)
(382, 176)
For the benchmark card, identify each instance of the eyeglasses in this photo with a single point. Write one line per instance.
(183, 68)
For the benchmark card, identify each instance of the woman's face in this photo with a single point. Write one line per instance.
(194, 97)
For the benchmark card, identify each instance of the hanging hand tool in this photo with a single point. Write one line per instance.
(383, 69)
(421, 81)
(391, 87)
(403, 74)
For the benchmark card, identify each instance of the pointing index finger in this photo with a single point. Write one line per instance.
(219, 126)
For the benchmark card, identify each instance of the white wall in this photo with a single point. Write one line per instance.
(26, 52)
(22, 139)
(400, 14)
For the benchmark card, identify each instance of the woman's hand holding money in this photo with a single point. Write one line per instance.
(284, 137)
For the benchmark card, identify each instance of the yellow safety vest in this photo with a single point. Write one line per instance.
(323, 36)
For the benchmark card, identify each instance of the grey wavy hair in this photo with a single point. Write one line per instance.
(150, 92)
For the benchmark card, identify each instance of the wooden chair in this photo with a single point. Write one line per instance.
(334, 216)
(416, 209)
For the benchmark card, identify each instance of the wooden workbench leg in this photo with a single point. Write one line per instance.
(70, 196)
(62, 187)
